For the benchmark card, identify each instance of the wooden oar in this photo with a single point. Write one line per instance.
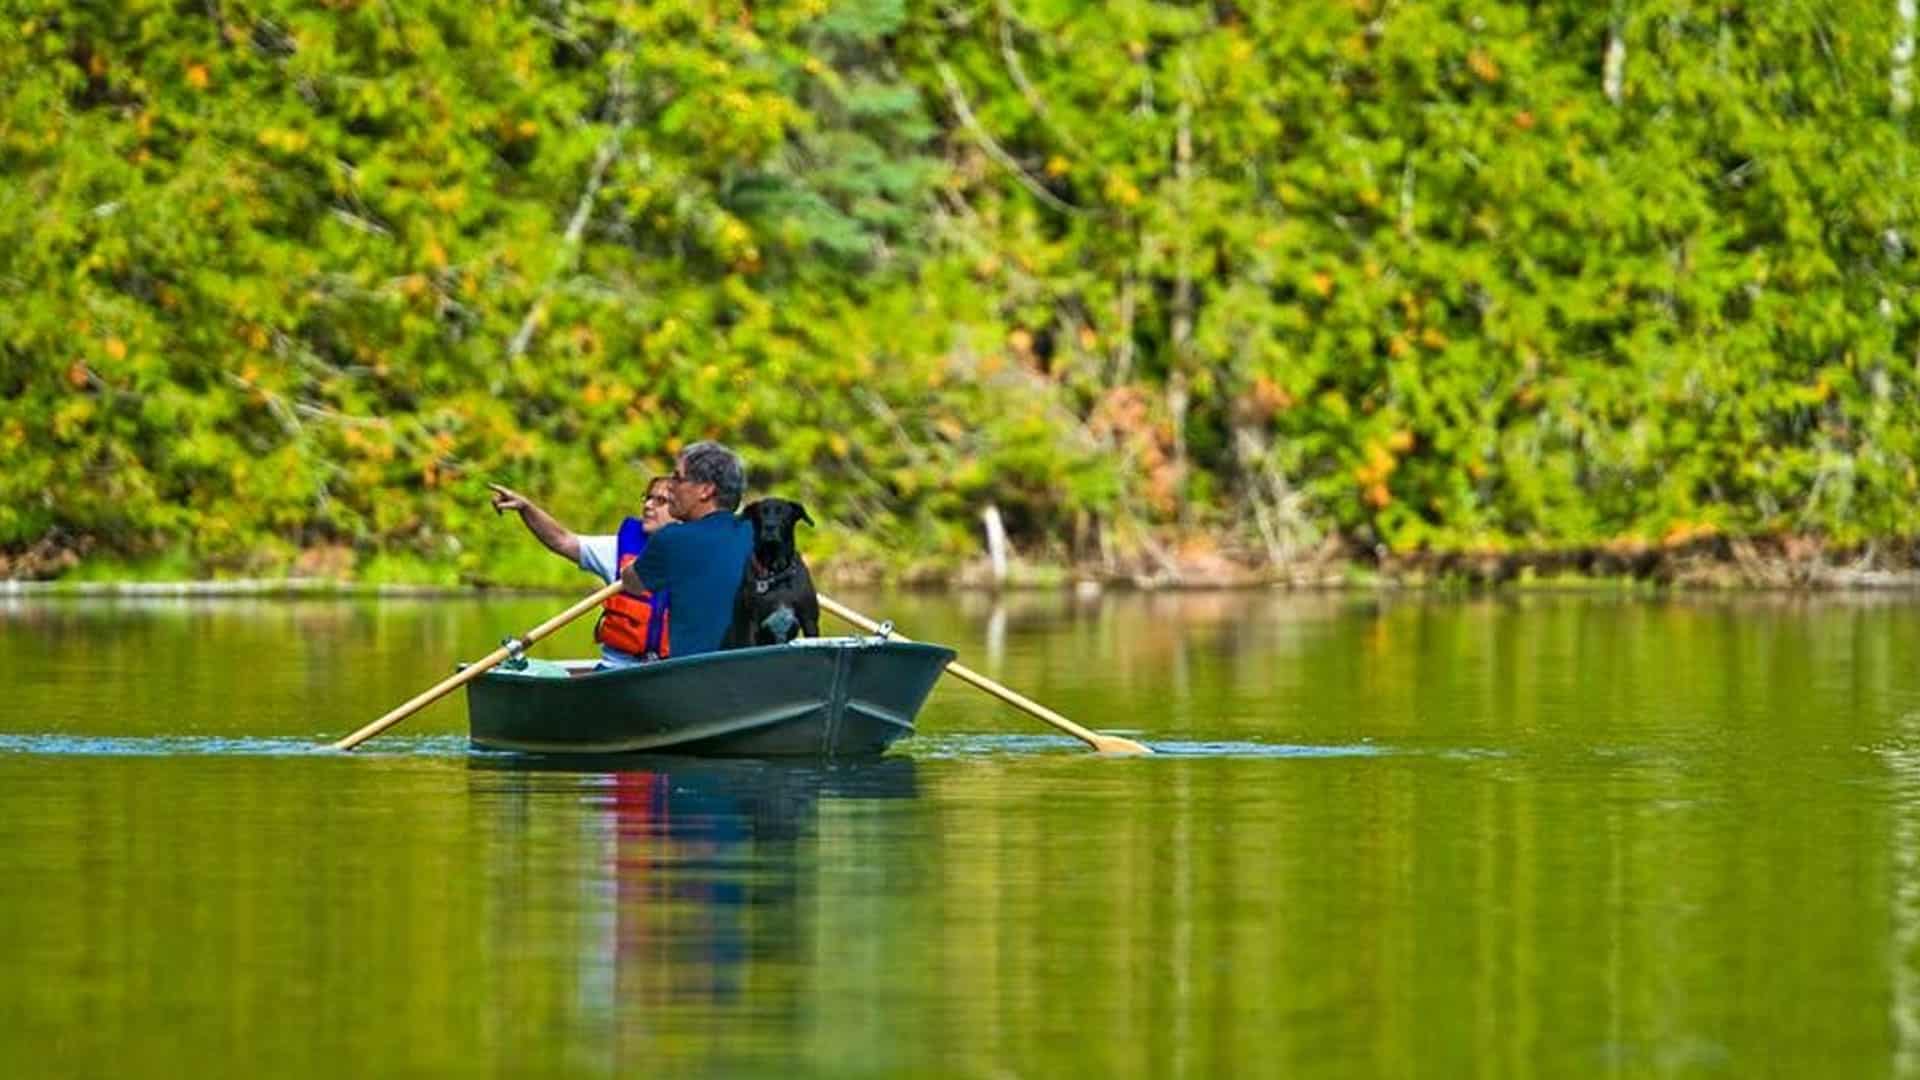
(1106, 744)
(477, 669)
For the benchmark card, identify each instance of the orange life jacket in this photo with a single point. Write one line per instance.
(628, 622)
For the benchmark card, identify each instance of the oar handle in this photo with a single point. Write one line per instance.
(478, 668)
(1106, 744)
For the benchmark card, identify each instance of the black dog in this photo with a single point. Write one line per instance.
(776, 601)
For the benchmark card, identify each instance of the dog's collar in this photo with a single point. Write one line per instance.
(763, 580)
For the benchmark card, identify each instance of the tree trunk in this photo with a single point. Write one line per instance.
(1613, 71)
(1902, 78)
(1182, 360)
(996, 543)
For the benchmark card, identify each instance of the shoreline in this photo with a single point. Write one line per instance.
(1424, 576)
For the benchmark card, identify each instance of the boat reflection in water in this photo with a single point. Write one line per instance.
(700, 897)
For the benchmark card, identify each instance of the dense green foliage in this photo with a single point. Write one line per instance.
(283, 283)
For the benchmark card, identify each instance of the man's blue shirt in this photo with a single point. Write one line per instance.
(699, 565)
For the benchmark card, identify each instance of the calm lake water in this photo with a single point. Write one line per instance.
(1536, 835)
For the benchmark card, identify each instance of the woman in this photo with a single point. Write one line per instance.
(632, 629)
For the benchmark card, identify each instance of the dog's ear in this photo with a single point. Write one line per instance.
(802, 512)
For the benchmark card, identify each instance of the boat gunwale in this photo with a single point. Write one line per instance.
(588, 669)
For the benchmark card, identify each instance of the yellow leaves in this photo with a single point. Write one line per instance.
(1021, 342)
(1266, 398)
(585, 340)
(116, 348)
(1058, 166)
(1322, 283)
(1122, 190)
(526, 129)
(448, 200)
(1686, 532)
(838, 446)
(79, 375)
(813, 66)
(1483, 66)
(71, 418)
(986, 266)
(1137, 49)
(198, 77)
(97, 65)
(285, 141)
(257, 337)
(1380, 463)
(1523, 120)
(1433, 339)
(1088, 339)
(1815, 393)
(665, 336)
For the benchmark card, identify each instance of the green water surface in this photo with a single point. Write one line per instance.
(1522, 836)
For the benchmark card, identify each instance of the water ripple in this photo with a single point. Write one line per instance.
(961, 746)
(209, 745)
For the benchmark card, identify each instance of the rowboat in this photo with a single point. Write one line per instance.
(817, 697)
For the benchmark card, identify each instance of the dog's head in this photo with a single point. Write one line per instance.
(773, 522)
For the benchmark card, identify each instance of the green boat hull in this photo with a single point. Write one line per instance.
(827, 697)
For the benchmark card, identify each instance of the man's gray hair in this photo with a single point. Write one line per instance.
(708, 462)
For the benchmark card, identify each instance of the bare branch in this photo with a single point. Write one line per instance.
(583, 209)
(995, 151)
(1027, 89)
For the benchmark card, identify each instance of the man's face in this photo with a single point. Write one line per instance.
(688, 495)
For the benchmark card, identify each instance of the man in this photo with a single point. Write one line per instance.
(631, 629)
(699, 561)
